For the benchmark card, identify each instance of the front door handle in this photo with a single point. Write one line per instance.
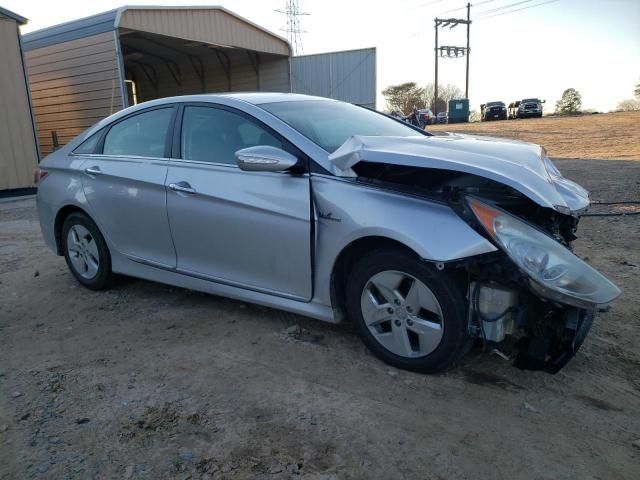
(183, 187)
(93, 171)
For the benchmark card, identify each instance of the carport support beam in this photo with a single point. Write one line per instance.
(225, 66)
(255, 63)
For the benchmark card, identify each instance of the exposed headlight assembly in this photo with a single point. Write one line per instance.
(554, 271)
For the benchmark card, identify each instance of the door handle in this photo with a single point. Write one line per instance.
(93, 171)
(183, 187)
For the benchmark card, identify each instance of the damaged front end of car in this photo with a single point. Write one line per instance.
(535, 291)
(533, 296)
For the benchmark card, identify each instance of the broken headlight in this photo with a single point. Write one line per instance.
(554, 271)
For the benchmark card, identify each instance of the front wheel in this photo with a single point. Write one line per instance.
(408, 313)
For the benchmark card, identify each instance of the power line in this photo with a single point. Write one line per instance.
(463, 8)
(503, 7)
(427, 4)
(516, 10)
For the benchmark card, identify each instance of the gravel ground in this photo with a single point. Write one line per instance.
(149, 381)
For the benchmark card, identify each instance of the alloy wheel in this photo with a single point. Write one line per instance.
(83, 251)
(402, 314)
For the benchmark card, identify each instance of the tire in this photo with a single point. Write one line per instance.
(441, 304)
(86, 252)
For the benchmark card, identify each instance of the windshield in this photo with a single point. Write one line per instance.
(533, 100)
(329, 124)
(495, 104)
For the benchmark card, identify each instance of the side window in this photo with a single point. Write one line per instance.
(215, 135)
(142, 135)
(89, 145)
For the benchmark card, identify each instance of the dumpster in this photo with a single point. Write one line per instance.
(459, 110)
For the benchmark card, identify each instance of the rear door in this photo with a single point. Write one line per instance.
(124, 183)
(247, 229)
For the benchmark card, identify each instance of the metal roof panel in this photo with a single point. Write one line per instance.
(73, 30)
(13, 16)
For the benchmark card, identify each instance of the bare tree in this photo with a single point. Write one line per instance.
(445, 93)
(636, 91)
(404, 97)
(631, 105)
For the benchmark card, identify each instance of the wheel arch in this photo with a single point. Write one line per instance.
(62, 214)
(349, 255)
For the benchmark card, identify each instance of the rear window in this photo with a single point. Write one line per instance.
(89, 145)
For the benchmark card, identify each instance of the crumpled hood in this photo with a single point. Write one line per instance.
(519, 165)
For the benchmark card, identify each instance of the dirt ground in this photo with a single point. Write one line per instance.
(149, 381)
(605, 136)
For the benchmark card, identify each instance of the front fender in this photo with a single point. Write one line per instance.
(347, 211)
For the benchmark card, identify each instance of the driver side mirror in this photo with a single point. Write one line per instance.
(264, 158)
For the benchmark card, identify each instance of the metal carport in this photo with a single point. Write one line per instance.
(84, 70)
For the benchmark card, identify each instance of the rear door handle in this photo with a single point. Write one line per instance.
(183, 187)
(93, 171)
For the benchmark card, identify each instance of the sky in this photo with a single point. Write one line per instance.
(590, 45)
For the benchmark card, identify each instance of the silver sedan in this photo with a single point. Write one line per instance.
(424, 243)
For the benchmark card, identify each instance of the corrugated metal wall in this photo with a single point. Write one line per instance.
(349, 76)
(73, 85)
(18, 154)
(211, 26)
(275, 75)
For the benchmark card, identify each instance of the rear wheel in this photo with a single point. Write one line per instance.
(409, 314)
(86, 252)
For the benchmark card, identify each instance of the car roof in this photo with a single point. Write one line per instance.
(271, 97)
(254, 98)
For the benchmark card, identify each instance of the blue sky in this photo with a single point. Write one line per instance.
(590, 45)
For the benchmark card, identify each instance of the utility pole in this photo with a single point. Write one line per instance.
(449, 51)
(466, 88)
(435, 83)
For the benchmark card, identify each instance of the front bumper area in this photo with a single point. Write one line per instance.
(536, 333)
(550, 351)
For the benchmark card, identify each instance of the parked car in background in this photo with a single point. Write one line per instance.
(493, 111)
(322, 208)
(442, 117)
(426, 117)
(529, 107)
(420, 117)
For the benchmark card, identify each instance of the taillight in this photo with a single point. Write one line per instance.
(39, 175)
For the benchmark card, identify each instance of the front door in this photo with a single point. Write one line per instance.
(247, 229)
(124, 185)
